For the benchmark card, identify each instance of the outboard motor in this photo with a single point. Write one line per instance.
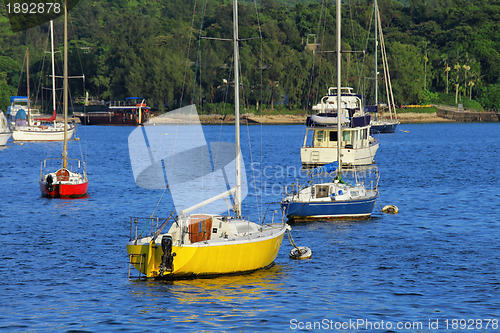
(167, 259)
(49, 183)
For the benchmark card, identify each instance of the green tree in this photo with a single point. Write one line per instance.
(407, 72)
(9, 79)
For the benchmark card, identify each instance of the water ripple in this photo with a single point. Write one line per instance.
(64, 264)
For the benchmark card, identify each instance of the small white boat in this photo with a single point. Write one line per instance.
(328, 119)
(5, 132)
(349, 100)
(18, 109)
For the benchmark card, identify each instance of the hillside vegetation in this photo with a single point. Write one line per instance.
(151, 49)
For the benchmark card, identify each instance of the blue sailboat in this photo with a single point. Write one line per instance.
(335, 199)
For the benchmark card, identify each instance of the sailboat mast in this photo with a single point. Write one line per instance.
(375, 11)
(339, 93)
(237, 194)
(53, 68)
(65, 88)
(28, 83)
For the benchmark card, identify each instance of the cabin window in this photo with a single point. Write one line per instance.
(365, 133)
(320, 135)
(321, 191)
(333, 136)
(346, 136)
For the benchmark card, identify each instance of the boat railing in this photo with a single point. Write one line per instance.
(293, 190)
(281, 219)
(144, 223)
(367, 176)
(73, 165)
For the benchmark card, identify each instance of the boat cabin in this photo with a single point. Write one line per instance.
(326, 192)
(330, 191)
(328, 137)
(349, 101)
(320, 146)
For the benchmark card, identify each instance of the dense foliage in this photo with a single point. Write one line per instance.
(151, 49)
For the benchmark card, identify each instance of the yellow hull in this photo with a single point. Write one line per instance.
(207, 259)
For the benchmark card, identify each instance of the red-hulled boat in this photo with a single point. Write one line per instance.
(70, 178)
(69, 181)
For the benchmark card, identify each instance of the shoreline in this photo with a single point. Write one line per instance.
(404, 118)
(287, 119)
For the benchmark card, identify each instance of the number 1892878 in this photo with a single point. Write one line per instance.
(33, 8)
(471, 324)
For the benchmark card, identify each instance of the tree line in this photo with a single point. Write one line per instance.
(167, 51)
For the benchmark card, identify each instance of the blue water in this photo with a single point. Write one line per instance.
(64, 265)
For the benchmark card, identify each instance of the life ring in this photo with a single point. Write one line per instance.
(43, 127)
(62, 175)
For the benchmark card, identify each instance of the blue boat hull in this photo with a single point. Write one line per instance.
(353, 209)
(387, 128)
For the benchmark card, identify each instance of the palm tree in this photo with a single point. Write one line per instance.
(471, 84)
(457, 85)
(447, 69)
(466, 68)
(426, 59)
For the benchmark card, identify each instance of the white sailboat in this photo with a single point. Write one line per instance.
(335, 199)
(5, 132)
(198, 243)
(42, 129)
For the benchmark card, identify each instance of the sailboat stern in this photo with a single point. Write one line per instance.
(143, 257)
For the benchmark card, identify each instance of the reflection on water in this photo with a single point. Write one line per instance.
(210, 301)
(65, 266)
(225, 289)
(75, 204)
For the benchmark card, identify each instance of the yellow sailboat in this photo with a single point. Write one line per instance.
(237, 246)
(201, 244)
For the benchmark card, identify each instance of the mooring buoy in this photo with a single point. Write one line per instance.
(301, 252)
(390, 209)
